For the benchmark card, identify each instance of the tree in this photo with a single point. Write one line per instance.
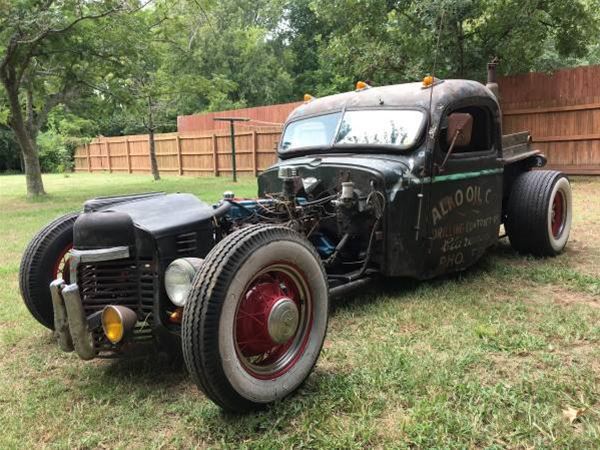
(9, 160)
(146, 89)
(45, 60)
(393, 41)
(119, 68)
(228, 54)
(304, 34)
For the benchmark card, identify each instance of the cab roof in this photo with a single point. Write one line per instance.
(405, 95)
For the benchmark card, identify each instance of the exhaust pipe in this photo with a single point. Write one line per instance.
(81, 336)
(492, 80)
(61, 320)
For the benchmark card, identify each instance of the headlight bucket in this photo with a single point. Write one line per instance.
(178, 279)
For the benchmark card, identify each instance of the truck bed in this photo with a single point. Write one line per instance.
(516, 147)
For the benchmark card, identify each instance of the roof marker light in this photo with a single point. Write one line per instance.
(428, 81)
(308, 98)
(361, 85)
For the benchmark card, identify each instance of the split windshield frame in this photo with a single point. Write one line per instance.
(347, 148)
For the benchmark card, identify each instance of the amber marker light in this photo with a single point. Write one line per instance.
(308, 98)
(361, 85)
(176, 316)
(428, 81)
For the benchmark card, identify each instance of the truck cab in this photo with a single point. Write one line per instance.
(443, 208)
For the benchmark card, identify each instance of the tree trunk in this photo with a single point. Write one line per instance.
(153, 162)
(151, 143)
(29, 150)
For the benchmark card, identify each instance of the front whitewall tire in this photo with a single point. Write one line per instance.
(229, 348)
(270, 390)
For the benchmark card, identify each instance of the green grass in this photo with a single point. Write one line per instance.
(485, 359)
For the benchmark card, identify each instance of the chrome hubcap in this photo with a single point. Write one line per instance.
(283, 320)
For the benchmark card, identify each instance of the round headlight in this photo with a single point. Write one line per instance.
(178, 278)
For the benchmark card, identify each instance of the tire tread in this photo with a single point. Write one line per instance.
(33, 293)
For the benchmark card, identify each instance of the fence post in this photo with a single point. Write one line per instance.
(215, 155)
(107, 146)
(179, 162)
(254, 150)
(128, 154)
(89, 157)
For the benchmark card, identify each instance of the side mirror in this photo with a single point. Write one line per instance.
(460, 129)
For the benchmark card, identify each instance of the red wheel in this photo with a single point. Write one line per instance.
(61, 267)
(559, 214)
(273, 321)
(256, 317)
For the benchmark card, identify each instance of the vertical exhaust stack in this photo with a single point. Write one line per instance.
(492, 82)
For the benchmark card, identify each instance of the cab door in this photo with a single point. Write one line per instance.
(465, 194)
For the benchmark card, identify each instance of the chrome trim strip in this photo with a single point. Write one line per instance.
(101, 254)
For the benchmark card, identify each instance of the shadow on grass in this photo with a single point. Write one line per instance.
(148, 365)
(399, 287)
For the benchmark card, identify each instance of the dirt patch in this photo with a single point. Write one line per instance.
(583, 252)
(566, 297)
(580, 353)
(583, 249)
(502, 368)
(392, 422)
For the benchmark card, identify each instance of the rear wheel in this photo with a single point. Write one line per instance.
(539, 213)
(255, 318)
(45, 259)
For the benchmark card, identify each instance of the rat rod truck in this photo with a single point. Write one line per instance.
(411, 180)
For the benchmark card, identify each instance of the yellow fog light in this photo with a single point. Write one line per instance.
(117, 321)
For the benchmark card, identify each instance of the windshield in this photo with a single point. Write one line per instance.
(314, 132)
(399, 128)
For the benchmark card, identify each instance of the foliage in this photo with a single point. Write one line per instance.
(392, 41)
(57, 149)
(9, 157)
(55, 156)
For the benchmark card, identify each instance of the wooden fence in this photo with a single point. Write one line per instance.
(562, 112)
(182, 154)
(265, 115)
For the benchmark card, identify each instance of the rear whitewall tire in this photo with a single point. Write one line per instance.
(561, 187)
(533, 221)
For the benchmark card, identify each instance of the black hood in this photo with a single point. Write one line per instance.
(158, 216)
(166, 214)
